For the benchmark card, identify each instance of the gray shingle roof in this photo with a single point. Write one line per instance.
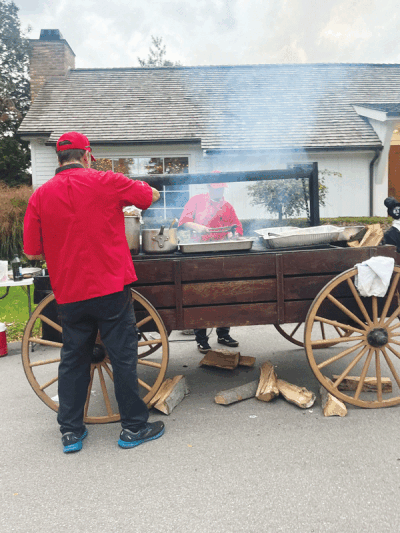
(247, 107)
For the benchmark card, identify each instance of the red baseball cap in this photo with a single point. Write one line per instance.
(217, 185)
(74, 141)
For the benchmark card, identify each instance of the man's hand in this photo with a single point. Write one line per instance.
(35, 257)
(156, 195)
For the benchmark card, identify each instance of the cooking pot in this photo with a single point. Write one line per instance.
(159, 241)
(132, 232)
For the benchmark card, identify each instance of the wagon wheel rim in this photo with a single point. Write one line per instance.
(295, 334)
(373, 345)
(101, 371)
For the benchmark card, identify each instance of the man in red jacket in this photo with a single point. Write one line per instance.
(76, 223)
(202, 214)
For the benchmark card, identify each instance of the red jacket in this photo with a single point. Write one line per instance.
(76, 220)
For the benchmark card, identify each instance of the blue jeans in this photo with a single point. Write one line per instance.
(113, 315)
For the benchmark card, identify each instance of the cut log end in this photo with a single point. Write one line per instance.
(300, 396)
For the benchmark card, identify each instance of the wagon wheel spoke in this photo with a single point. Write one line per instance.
(85, 412)
(145, 362)
(51, 323)
(397, 354)
(43, 342)
(359, 301)
(390, 365)
(340, 355)
(389, 299)
(339, 326)
(378, 375)
(343, 308)
(148, 318)
(144, 384)
(104, 390)
(42, 387)
(108, 370)
(329, 342)
(363, 373)
(347, 370)
(45, 362)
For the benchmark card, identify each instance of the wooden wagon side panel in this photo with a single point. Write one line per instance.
(229, 267)
(230, 315)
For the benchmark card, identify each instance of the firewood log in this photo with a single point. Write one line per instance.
(331, 405)
(221, 359)
(267, 386)
(370, 384)
(237, 394)
(300, 396)
(172, 395)
(245, 360)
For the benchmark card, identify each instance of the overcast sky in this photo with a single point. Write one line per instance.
(105, 33)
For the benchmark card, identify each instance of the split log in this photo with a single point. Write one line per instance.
(372, 237)
(300, 396)
(267, 386)
(172, 394)
(245, 360)
(226, 397)
(221, 359)
(350, 383)
(331, 405)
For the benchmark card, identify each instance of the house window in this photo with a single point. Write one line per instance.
(173, 198)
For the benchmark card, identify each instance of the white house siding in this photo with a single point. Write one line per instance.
(44, 162)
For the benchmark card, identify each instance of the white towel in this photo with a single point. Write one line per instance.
(374, 276)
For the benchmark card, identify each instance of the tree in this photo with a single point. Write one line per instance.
(156, 57)
(289, 197)
(14, 96)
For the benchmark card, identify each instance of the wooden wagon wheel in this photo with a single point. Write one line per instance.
(375, 326)
(294, 332)
(42, 370)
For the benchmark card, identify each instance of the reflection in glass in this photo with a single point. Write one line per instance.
(176, 165)
(102, 164)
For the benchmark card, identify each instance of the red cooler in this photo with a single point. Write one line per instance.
(3, 340)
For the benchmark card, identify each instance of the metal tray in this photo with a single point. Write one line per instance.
(303, 237)
(215, 246)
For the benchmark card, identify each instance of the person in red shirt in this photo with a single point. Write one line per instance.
(75, 222)
(202, 214)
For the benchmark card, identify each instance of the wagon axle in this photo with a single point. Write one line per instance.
(378, 337)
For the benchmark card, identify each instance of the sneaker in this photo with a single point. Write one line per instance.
(151, 431)
(228, 341)
(203, 347)
(72, 442)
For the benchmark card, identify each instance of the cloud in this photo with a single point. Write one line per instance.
(212, 32)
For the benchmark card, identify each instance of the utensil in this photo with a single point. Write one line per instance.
(225, 229)
(173, 222)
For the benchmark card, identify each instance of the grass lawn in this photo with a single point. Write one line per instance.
(14, 311)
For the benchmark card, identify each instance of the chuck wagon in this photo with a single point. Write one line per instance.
(308, 294)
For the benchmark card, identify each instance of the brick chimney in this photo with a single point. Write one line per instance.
(49, 56)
